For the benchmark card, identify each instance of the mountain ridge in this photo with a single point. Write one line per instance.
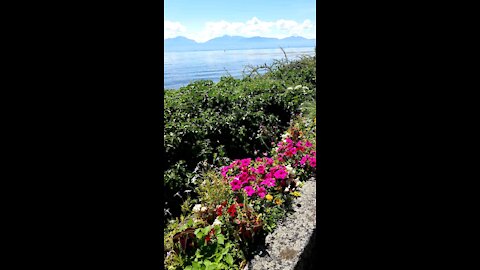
(227, 42)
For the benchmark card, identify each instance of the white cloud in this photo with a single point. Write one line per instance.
(173, 29)
(253, 27)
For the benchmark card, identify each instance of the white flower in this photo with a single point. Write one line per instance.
(203, 209)
(287, 189)
(290, 170)
(197, 208)
(217, 222)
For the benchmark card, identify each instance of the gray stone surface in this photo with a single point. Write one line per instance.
(291, 244)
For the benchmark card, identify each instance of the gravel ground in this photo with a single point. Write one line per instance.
(290, 245)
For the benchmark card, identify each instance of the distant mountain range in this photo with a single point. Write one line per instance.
(235, 43)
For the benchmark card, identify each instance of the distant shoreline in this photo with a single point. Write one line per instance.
(241, 49)
(235, 43)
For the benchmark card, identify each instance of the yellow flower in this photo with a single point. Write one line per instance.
(278, 201)
(269, 197)
(296, 194)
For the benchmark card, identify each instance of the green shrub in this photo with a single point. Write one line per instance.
(224, 227)
(232, 118)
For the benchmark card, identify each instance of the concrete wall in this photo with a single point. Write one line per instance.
(291, 245)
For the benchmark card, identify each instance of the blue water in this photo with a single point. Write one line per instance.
(180, 68)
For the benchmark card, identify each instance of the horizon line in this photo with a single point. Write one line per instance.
(237, 36)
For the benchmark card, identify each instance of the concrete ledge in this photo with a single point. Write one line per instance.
(290, 246)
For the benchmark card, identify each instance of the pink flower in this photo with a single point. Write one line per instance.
(236, 185)
(243, 177)
(308, 144)
(304, 159)
(258, 159)
(245, 162)
(281, 174)
(313, 161)
(261, 191)
(260, 169)
(269, 161)
(269, 182)
(225, 170)
(290, 151)
(299, 146)
(250, 191)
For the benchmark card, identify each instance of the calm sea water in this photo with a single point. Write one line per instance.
(180, 68)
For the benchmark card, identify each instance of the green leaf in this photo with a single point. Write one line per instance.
(212, 266)
(196, 265)
(220, 239)
(199, 233)
(218, 258)
(229, 259)
(198, 254)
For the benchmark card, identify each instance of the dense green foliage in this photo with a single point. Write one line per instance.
(239, 204)
(232, 118)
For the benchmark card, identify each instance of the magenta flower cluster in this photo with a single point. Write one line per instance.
(301, 152)
(254, 177)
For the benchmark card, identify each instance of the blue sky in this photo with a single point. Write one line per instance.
(202, 20)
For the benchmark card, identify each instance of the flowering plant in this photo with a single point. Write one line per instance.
(255, 177)
(242, 201)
